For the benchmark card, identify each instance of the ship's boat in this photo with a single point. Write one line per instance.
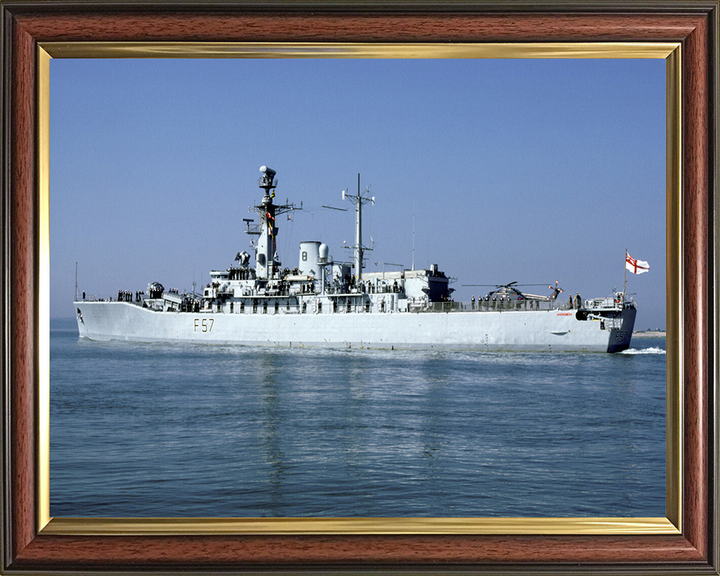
(321, 302)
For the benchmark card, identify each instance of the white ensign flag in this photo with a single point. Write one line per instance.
(636, 266)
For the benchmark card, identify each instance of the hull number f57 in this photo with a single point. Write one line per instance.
(204, 325)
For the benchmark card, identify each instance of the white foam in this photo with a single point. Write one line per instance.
(653, 350)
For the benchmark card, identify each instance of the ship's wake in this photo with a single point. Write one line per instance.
(653, 350)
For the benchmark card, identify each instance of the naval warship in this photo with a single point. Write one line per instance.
(322, 302)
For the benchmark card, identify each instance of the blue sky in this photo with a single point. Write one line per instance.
(511, 170)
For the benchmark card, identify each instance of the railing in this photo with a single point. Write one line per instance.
(481, 306)
(267, 307)
(99, 298)
(491, 306)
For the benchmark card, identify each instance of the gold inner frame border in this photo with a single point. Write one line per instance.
(671, 524)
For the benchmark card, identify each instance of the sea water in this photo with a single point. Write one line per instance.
(177, 430)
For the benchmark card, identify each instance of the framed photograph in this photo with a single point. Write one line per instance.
(682, 36)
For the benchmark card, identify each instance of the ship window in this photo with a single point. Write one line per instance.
(304, 256)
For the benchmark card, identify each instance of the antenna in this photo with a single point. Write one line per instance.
(76, 281)
(413, 253)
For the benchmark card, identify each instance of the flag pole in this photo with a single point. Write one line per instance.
(624, 275)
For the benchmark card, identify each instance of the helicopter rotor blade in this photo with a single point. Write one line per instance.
(501, 285)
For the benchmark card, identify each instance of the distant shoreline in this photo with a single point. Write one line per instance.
(649, 334)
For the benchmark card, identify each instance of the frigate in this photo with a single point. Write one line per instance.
(323, 302)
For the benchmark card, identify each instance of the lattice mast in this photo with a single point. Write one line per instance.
(359, 249)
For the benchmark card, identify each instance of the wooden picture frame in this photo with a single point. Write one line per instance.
(31, 544)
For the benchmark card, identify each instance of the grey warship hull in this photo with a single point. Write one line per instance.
(323, 302)
(552, 330)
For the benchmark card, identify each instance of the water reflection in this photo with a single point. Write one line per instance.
(245, 432)
(271, 440)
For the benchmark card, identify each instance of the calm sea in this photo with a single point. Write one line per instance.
(229, 431)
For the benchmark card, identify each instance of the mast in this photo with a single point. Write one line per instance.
(266, 263)
(359, 199)
(265, 255)
(358, 235)
(413, 253)
(624, 275)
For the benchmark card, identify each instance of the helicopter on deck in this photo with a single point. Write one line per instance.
(511, 292)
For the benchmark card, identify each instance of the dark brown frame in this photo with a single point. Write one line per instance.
(693, 24)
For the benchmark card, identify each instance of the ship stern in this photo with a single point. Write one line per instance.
(621, 336)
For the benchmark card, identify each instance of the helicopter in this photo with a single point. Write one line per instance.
(510, 292)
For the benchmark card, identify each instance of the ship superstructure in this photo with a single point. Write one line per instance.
(321, 302)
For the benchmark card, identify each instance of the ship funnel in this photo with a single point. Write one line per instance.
(309, 261)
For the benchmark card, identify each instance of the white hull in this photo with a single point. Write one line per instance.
(555, 330)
